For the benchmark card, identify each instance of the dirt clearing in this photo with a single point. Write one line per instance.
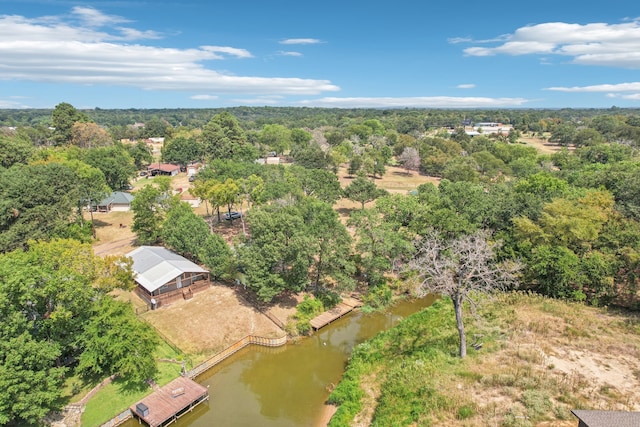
(211, 321)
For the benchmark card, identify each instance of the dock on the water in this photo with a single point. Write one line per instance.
(170, 402)
(346, 306)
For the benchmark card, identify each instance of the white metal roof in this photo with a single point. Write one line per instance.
(154, 266)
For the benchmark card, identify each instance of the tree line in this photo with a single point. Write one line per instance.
(569, 219)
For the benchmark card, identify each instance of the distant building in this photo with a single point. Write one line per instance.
(271, 160)
(163, 169)
(193, 168)
(119, 201)
(187, 197)
(490, 128)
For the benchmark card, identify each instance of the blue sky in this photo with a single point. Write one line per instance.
(330, 53)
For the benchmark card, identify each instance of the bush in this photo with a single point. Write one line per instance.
(305, 311)
(378, 296)
(465, 412)
(536, 402)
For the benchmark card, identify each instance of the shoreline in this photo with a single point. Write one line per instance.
(325, 415)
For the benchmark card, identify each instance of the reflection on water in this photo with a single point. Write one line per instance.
(287, 386)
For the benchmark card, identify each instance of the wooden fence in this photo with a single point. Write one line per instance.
(238, 345)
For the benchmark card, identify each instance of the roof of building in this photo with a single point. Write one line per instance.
(154, 266)
(164, 167)
(117, 197)
(608, 418)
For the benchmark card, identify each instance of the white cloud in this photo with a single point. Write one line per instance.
(615, 45)
(466, 86)
(288, 53)
(619, 87)
(94, 18)
(53, 51)
(631, 97)
(416, 102)
(11, 103)
(204, 97)
(239, 53)
(300, 41)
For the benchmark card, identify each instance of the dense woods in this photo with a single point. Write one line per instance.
(569, 218)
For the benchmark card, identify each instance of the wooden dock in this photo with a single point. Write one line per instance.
(167, 404)
(346, 306)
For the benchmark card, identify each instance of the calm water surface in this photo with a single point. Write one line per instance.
(287, 386)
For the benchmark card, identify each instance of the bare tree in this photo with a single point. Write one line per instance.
(410, 159)
(460, 268)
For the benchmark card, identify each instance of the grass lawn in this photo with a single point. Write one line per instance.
(113, 398)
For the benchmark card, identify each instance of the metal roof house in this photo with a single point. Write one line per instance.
(606, 418)
(164, 276)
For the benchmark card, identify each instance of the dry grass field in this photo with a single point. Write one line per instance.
(211, 321)
(395, 180)
(542, 145)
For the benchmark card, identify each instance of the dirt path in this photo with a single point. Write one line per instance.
(117, 247)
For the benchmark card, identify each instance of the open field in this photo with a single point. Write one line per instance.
(542, 145)
(395, 180)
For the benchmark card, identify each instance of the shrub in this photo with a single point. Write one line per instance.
(465, 412)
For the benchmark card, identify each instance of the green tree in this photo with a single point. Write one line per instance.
(277, 137)
(380, 244)
(15, 149)
(115, 163)
(318, 183)
(226, 194)
(182, 150)
(332, 266)
(363, 191)
(461, 169)
(216, 255)
(63, 118)
(563, 134)
(554, 271)
(115, 341)
(224, 138)
(92, 187)
(183, 231)
(277, 257)
(141, 154)
(311, 157)
(30, 380)
(48, 295)
(37, 201)
(148, 214)
(156, 128)
(300, 137)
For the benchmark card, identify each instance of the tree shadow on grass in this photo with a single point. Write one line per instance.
(126, 386)
(345, 211)
(99, 223)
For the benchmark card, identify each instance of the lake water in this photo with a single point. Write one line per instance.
(287, 386)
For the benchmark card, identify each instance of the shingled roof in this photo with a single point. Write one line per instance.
(155, 265)
(607, 418)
